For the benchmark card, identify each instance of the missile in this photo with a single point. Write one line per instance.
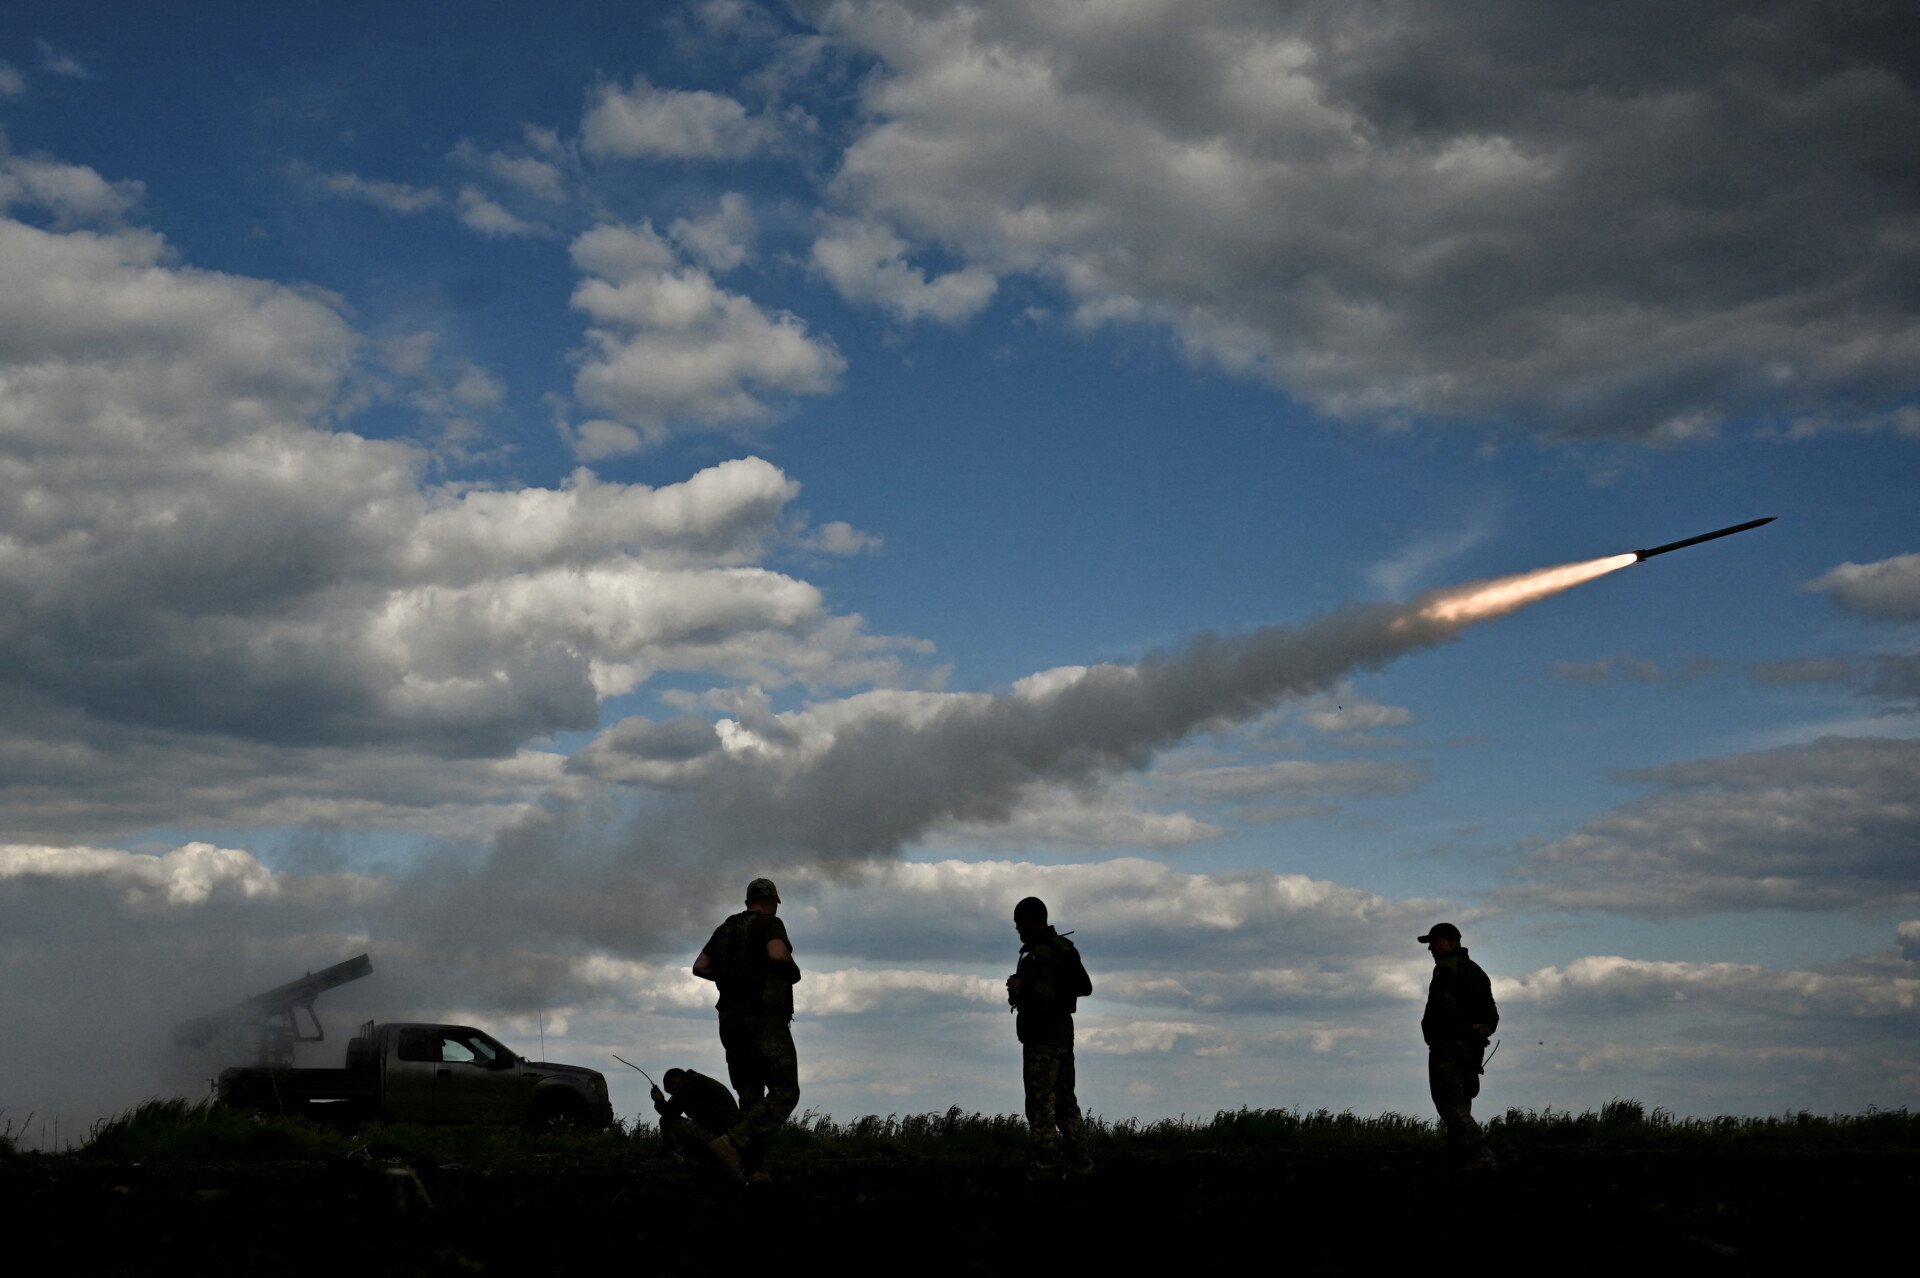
(1694, 541)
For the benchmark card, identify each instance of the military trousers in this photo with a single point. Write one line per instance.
(684, 1136)
(765, 1073)
(1453, 1078)
(1053, 1112)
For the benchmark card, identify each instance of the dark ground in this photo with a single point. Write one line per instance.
(1548, 1212)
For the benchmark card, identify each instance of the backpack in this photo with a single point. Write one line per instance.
(731, 952)
(1074, 983)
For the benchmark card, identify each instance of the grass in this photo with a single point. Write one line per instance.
(159, 1131)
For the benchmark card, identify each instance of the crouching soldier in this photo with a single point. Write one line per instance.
(693, 1111)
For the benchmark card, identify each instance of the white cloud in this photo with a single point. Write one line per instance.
(1306, 779)
(866, 262)
(478, 213)
(12, 83)
(73, 193)
(854, 991)
(394, 197)
(643, 122)
(1887, 589)
(1077, 818)
(1347, 713)
(723, 239)
(188, 558)
(1464, 214)
(835, 538)
(669, 348)
(1133, 1037)
(537, 177)
(1828, 825)
(1234, 934)
(188, 875)
(1589, 983)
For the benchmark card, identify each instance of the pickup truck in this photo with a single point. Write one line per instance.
(413, 1073)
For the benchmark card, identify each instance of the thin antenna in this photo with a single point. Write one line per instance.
(543, 1035)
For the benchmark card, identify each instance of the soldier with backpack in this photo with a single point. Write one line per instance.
(750, 959)
(1044, 992)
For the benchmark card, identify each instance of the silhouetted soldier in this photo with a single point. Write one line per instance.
(750, 959)
(1044, 991)
(1459, 1019)
(693, 1111)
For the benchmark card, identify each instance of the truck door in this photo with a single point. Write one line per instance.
(412, 1064)
(476, 1081)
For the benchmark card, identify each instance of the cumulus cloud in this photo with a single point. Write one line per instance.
(1304, 778)
(1588, 984)
(1346, 713)
(1080, 818)
(540, 176)
(186, 552)
(1136, 915)
(73, 193)
(722, 238)
(866, 262)
(1471, 213)
(394, 197)
(668, 347)
(644, 122)
(1828, 825)
(1886, 590)
(492, 219)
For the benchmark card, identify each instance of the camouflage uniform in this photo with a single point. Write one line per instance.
(1459, 997)
(698, 1110)
(1050, 976)
(756, 1015)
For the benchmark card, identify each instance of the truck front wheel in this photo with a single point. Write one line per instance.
(559, 1112)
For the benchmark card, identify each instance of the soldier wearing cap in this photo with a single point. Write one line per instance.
(1459, 1019)
(751, 960)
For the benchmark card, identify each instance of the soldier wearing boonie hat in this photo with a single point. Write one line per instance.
(751, 959)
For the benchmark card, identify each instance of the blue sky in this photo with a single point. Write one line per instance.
(480, 491)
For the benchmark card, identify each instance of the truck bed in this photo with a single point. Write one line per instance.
(300, 1091)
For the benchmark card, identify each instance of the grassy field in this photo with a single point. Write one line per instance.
(173, 1187)
(178, 1130)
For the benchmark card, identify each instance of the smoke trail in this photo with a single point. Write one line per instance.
(866, 776)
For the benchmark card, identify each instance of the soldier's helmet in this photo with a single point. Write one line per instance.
(762, 890)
